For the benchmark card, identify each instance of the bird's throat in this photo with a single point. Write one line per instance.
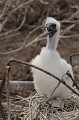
(52, 42)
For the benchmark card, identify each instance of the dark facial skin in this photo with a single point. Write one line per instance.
(51, 29)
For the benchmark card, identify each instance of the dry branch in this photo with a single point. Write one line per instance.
(24, 43)
(76, 78)
(44, 2)
(4, 11)
(2, 111)
(74, 82)
(14, 10)
(48, 73)
(71, 57)
(15, 30)
(38, 38)
(67, 29)
(71, 22)
(1, 106)
(8, 92)
(73, 15)
(69, 36)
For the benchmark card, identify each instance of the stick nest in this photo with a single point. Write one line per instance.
(35, 107)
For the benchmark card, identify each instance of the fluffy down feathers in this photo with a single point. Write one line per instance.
(50, 60)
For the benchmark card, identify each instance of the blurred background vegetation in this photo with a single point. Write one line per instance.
(19, 17)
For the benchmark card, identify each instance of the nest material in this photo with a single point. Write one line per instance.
(48, 112)
(36, 108)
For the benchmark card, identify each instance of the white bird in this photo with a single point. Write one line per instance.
(49, 59)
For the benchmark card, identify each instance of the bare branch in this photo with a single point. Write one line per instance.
(8, 92)
(22, 23)
(76, 78)
(67, 29)
(5, 9)
(74, 82)
(44, 2)
(26, 63)
(2, 111)
(20, 6)
(24, 43)
(54, 90)
(71, 22)
(69, 36)
(71, 56)
(73, 15)
(15, 34)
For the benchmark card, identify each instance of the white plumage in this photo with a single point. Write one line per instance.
(49, 59)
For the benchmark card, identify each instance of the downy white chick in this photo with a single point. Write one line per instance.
(49, 59)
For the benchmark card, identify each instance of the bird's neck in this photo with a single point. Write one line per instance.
(52, 42)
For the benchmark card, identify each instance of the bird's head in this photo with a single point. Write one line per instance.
(52, 26)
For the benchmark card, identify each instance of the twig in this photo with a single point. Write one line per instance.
(22, 23)
(76, 66)
(5, 9)
(20, 6)
(1, 106)
(69, 36)
(73, 15)
(23, 45)
(54, 90)
(2, 111)
(69, 75)
(71, 26)
(2, 84)
(8, 92)
(67, 21)
(44, 2)
(71, 56)
(14, 30)
(42, 38)
(20, 26)
(15, 34)
(76, 78)
(67, 29)
(46, 101)
(70, 18)
(35, 40)
(26, 63)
